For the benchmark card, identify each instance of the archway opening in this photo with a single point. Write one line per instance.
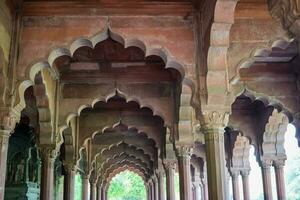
(292, 165)
(127, 185)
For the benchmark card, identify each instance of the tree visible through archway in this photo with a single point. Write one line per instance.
(127, 185)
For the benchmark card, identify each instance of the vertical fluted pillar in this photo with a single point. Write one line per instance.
(93, 190)
(85, 187)
(152, 190)
(156, 188)
(170, 167)
(235, 185)
(99, 193)
(161, 185)
(69, 182)
(280, 183)
(48, 155)
(197, 187)
(213, 126)
(4, 137)
(184, 156)
(267, 183)
(245, 179)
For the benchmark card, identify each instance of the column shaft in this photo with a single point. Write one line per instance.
(170, 173)
(245, 179)
(47, 178)
(235, 186)
(197, 191)
(4, 136)
(215, 157)
(280, 183)
(161, 186)
(184, 176)
(69, 184)
(99, 193)
(93, 191)
(267, 184)
(85, 188)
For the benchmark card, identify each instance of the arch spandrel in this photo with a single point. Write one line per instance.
(123, 146)
(116, 159)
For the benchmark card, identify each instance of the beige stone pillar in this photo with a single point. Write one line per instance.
(161, 185)
(48, 155)
(184, 156)
(245, 179)
(170, 167)
(85, 187)
(69, 182)
(4, 137)
(197, 186)
(280, 183)
(156, 188)
(93, 190)
(215, 157)
(99, 193)
(152, 190)
(267, 183)
(235, 185)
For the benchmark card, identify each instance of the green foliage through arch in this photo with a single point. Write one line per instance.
(127, 185)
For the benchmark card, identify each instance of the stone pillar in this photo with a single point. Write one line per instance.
(204, 183)
(184, 156)
(4, 137)
(156, 188)
(280, 183)
(69, 182)
(197, 187)
(213, 129)
(152, 190)
(93, 190)
(245, 179)
(161, 185)
(267, 183)
(85, 187)
(170, 167)
(235, 185)
(99, 193)
(48, 155)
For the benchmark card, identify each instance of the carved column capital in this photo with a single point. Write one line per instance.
(234, 173)
(266, 163)
(245, 172)
(8, 123)
(184, 151)
(214, 119)
(170, 164)
(279, 163)
(48, 151)
(70, 166)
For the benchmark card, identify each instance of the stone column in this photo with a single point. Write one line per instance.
(245, 179)
(197, 190)
(4, 137)
(184, 156)
(266, 175)
(156, 188)
(280, 183)
(69, 182)
(93, 190)
(152, 190)
(213, 129)
(85, 187)
(235, 185)
(99, 193)
(48, 155)
(170, 167)
(161, 186)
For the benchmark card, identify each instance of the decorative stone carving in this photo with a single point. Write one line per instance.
(240, 154)
(273, 138)
(287, 11)
(214, 119)
(184, 151)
